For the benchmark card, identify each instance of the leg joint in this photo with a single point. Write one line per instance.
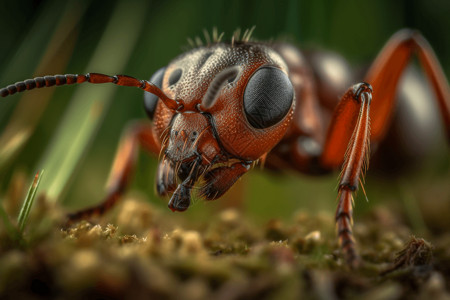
(343, 214)
(348, 186)
(345, 231)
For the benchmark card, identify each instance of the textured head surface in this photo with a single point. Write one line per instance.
(189, 76)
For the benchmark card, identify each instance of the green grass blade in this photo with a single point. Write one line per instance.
(29, 200)
(23, 59)
(30, 107)
(89, 104)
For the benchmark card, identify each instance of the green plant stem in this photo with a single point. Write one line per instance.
(29, 200)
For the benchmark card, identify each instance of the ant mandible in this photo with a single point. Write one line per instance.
(218, 109)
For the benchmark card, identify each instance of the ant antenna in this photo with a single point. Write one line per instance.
(96, 78)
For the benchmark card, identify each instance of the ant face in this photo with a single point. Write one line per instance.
(243, 91)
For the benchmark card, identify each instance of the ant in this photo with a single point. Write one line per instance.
(219, 109)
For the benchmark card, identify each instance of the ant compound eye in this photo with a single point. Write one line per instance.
(175, 76)
(268, 97)
(150, 100)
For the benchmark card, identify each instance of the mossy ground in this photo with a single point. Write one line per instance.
(139, 251)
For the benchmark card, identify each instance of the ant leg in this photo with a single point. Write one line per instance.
(138, 134)
(349, 132)
(384, 76)
(386, 70)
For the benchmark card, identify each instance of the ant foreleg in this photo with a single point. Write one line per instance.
(139, 134)
(349, 130)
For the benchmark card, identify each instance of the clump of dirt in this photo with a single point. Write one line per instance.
(143, 253)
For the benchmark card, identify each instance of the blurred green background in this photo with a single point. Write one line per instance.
(73, 132)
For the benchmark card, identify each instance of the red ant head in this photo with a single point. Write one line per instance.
(241, 89)
(235, 104)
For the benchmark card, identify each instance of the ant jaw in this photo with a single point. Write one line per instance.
(189, 172)
(181, 198)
